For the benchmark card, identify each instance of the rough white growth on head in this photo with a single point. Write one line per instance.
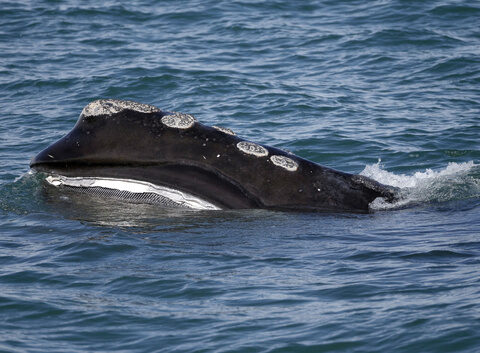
(113, 106)
(284, 162)
(224, 130)
(133, 186)
(252, 148)
(179, 120)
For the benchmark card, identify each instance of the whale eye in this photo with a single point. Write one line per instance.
(252, 148)
(284, 162)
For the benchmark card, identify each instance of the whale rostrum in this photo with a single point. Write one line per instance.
(126, 142)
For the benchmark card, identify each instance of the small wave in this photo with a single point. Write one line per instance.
(454, 182)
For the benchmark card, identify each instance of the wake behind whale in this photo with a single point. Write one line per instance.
(132, 150)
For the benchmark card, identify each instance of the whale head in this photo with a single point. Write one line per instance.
(128, 142)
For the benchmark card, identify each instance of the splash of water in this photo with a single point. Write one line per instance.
(455, 181)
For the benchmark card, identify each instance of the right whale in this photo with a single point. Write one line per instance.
(134, 148)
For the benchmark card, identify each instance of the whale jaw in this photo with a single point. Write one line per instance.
(132, 190)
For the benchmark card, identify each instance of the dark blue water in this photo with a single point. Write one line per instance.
(389, 89)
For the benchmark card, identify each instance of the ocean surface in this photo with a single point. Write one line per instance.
(388, 89)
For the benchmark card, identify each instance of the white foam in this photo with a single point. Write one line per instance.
(450, 183)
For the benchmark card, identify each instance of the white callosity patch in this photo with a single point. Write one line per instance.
(284, 162)
(113, 106)
(133, 186)
(252, 148)
(224, 130)
(179, 120)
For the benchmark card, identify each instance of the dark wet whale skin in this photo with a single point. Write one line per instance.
(203, 161)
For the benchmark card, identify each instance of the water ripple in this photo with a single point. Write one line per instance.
(341, 83)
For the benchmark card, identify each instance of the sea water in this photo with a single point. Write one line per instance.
(387, 89)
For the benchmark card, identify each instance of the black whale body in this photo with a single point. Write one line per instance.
(127, 140)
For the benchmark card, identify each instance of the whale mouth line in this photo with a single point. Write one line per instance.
(134, 190)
